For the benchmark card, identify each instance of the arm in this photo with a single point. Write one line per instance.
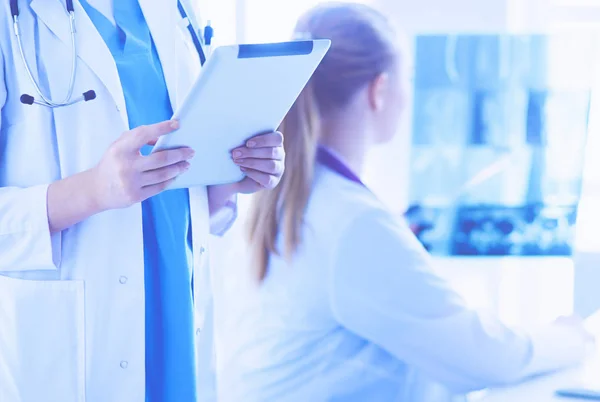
(78, 193)
(383, 289)
(71, 201)
(25, 239)
(31, 219)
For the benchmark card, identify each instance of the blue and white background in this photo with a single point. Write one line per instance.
(497, 143)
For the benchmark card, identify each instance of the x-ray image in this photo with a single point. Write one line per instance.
(498, 144)
(500, 117)
(444, 114)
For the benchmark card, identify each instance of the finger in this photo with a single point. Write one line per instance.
(267, 166)
(274, 139)
(166, 173)
(165, 158)
(143, 135)
(263, 179)
(151, 191)
(275, 153)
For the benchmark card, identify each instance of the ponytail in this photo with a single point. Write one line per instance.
(363, 47)
(282, 209)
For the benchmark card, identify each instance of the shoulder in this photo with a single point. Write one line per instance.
(377, 229)
(348, 216)
(336, 200)
(343, 203)
(367, 234)
(378, 260)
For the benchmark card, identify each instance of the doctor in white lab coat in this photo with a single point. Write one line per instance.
(348, 307)
(72, 296)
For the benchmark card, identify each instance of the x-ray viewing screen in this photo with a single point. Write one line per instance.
(499, 130)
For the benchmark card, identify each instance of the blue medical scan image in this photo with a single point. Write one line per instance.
(497, 146)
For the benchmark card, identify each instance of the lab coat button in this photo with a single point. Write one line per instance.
(124, 364)
(198, 332)
(202, 250)
(123, 280)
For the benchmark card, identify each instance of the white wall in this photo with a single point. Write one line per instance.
(448, 15)
(492, 15)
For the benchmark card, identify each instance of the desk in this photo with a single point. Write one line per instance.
(543, 389)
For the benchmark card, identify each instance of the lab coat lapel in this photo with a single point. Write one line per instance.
(161, 17)
(91, 48)
(196, 8)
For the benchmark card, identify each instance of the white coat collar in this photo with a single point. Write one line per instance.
(161, 17)
(91, 48)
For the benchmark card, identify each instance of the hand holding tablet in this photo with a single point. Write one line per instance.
(242, 91)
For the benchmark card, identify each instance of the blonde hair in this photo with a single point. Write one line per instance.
(363, 47)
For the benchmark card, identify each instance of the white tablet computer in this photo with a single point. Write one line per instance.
(242, 91)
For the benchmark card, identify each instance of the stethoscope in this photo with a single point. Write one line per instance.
(68, 100)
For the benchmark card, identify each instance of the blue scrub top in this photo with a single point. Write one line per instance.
(170, 349)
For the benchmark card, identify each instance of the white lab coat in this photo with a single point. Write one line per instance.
(359, 315)
(72, 304)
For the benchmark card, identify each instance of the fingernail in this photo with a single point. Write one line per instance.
(239, 161)
(237, 154)
(192, 153)
(251, 144)
(174, 124)
(243, 169)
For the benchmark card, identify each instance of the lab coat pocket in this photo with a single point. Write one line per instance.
(42, 348)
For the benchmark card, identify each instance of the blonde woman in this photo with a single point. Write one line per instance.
(348, 308)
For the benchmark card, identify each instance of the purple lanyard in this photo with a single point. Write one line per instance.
(332, 162)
